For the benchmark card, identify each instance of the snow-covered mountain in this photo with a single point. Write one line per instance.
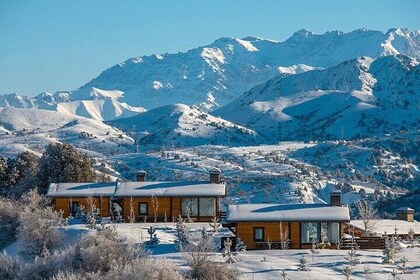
(213, 75)
(90, 103)
(182, 125)
(357, 98)
(30, 129)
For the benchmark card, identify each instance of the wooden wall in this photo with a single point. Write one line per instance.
(63, 203)
(245, 230)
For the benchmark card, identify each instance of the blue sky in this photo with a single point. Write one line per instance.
(61, 45)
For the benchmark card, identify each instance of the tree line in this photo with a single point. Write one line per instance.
(59, 163)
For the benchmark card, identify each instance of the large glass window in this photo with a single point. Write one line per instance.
(258, 234)
(189, 205)
(207, 207)
(309, 232)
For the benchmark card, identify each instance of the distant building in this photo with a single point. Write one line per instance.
(258, 225)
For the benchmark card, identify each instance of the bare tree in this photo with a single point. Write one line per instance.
(154, 201)
(284, 236)
(91, 212)
(131, 214)
(369, 215)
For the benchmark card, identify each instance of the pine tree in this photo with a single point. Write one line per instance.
(347, 271)
(403, 265)
(302, 264)
(240, 245)
(352, 257)
(62, 163)
(227, 252)
(390, 251)
(181, 233)
(215, 224)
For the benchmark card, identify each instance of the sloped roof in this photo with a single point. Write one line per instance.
(81, 189)
(287, 212)
(189, 189)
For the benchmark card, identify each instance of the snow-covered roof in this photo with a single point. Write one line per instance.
(81, 189)
(388, 225)
(287, 212)
(147, 189)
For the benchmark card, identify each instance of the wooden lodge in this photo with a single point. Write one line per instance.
(70, 197)
(293, 226)
(143, 200)
(199, 200)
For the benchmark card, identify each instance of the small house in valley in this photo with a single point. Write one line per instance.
(71, 197)
(198, 200)
(294, 226)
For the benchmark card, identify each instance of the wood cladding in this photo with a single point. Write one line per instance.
(64, 204)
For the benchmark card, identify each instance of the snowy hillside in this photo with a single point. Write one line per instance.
(33, 129)
(213, 75)
(90, 103)
(182, 125)
(361, 97)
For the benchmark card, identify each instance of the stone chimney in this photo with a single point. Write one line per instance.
(215, 176)
(335, 198)
(405, 214)
(141, 176)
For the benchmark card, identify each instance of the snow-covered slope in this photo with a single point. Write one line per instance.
(32, 129)
(90, 103)
(213, 75)
(357, 98)
(182, 125)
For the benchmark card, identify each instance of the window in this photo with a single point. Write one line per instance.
(207, 207)
(309, 232)
(258, 234)
(333, 232)
(189, 205)
(143, 208)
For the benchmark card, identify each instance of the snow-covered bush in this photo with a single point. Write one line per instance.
(199, 257)
(227, 252)
(38, 223)
(9, 222)
(9, 267)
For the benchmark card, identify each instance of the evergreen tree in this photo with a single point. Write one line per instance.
(62, 163)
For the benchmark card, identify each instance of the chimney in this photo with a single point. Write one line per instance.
(215, 176)
(335, 198)
(141, 176)
(405, 214)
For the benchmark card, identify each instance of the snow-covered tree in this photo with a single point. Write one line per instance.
(303, 264)
(390, 251)
(91, 213)
(154, 202)
(182, 233)
(215, 224)
(368, 214)
(153, 240)
(352, 257)
(227, 252)
(403, 265)
(347, 271)
(240, 245)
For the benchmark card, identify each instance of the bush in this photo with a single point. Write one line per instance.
(9, 267)
(9, 221)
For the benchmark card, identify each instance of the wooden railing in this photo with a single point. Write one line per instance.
(363, 243)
